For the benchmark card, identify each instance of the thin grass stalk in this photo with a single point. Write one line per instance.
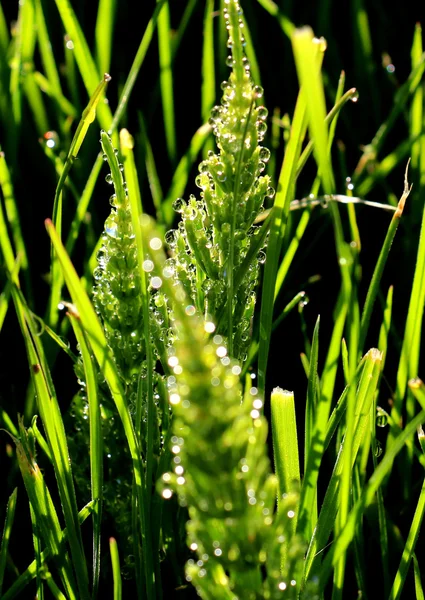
(377, 274)
(7, 531)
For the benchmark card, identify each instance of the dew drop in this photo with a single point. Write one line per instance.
(109, 179)
(179, 204)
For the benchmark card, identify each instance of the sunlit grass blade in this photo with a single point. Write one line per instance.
(87, 119)
(313, 393)
(377, 274)
(96, 337)
(104, 34)
(116, 571)
(44, 509)
(83, 56)
(46, 52)
(208, 64)
(64, 104)
(409, 359)
(306, 49)
(285, 193)
(420, 595)
(53, 425)
(330, 506)
(409, 548)
(7, 531)
(30, 572)
(12, 213)
(341, 544)
(122, 105)
(37, 541)
(166, 81)
(96, 443)
(285, 450)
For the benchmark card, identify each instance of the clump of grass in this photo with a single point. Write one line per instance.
(168, 438)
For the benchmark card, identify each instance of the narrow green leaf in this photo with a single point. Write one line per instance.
(7, 531)
(116, 570)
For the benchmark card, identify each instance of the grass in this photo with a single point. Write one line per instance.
(147, 361)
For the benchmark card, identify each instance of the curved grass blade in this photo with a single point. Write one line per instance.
(7, 530)
(377, 274)
(55, 432)
(44, 509)
(30, 572)
(87, 119)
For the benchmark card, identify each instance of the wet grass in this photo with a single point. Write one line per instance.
(147, 361)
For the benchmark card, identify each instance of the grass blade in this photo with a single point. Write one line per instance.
(7, 530)
(96, 444)
(166, 81)
(116, 570)
(104, 33)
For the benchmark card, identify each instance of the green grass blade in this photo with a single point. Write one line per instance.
(285, 450)
(37, 540)
(54, 428)
(12, 212)
(87, 119)
(341, 544)
(208, 65)
(166, 81)
(284, 195)
(306, 49)
(104, 34)
(116, 570)
(313, 392)
(83, 57)
(420, 595)
(44, 509)
(96, 336)
(7, 530)
(377, 274)
(409, 548)
(30, 572)
(96, 444)
(330, 506)
(46, 52)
